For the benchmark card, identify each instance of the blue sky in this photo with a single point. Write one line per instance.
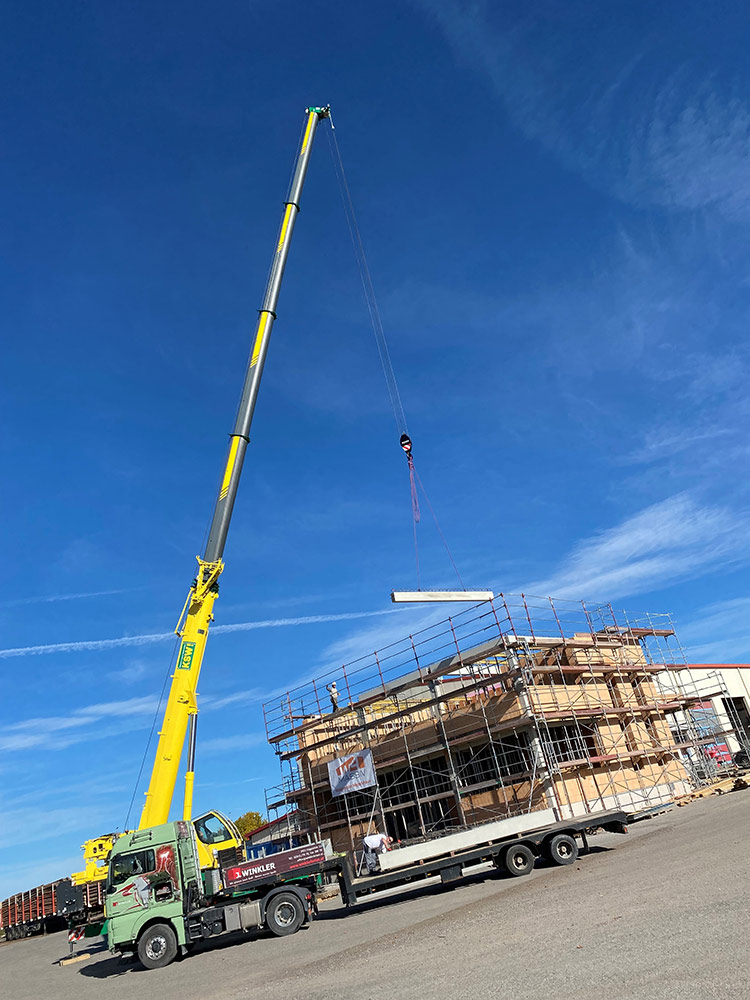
(556, 208)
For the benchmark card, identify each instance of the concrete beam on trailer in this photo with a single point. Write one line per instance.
(481, 834)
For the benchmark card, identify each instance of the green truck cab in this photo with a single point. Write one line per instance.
(159, 902)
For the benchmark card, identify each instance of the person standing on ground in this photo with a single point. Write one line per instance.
(333, 693)
(374, 844)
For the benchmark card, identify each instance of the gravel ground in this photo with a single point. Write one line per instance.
(660, 913)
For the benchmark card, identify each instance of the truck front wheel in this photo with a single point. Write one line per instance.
(157, 946)
(285, 914)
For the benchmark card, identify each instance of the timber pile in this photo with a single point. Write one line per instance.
(718, 788)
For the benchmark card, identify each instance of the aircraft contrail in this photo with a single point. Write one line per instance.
(147, 639)
(53, 598)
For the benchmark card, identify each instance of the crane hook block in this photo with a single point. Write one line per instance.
(405, 442)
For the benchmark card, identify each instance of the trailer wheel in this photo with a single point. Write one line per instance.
(285, 914)
(562, 849)
(157, 946)
(519, 860)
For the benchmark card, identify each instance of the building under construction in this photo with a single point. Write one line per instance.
(514, 705)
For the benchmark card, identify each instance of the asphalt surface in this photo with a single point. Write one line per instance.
(659, 913)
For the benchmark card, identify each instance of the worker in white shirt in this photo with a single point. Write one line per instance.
(333, 694)
(374, 844)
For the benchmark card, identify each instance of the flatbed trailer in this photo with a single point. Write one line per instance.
(515, 852)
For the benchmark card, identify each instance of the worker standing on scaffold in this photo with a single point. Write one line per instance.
(333, 693)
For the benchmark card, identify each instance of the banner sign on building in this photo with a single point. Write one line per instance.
(352, 773)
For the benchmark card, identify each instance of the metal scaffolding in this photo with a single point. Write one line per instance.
(513, 705)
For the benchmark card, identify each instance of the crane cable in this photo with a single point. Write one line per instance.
(155, 719)
(415, 483)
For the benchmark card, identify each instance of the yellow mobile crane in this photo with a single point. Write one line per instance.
(214, 831)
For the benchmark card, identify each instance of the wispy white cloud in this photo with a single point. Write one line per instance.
(379, 636)
(132, 672)
(245, 696)
(717, 633)
(53, 822)
(667, 441)
(734, 649)
(154, 637)
(720, 617)
(673, 540)
(239, 741)
(692, 152)
(361, 642)
(84, 723)
(644, 130)
(42, 795)
(699, 436)
(19, 877)
(61, 732)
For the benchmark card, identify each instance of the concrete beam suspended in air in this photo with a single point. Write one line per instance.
(417, 596)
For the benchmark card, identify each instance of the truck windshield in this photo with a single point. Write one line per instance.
(211, 830)
(125, 866)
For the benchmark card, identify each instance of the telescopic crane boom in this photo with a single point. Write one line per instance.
(214, 831)
(197, 613)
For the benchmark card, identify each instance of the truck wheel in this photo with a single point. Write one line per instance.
(157, 946)
(285, 914)
(562, 849)
(519, 860)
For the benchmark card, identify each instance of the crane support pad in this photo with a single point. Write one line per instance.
(416, 596)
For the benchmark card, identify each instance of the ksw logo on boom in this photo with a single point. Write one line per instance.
(186, 656)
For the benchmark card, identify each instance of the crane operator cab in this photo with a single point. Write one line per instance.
(216, 833)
